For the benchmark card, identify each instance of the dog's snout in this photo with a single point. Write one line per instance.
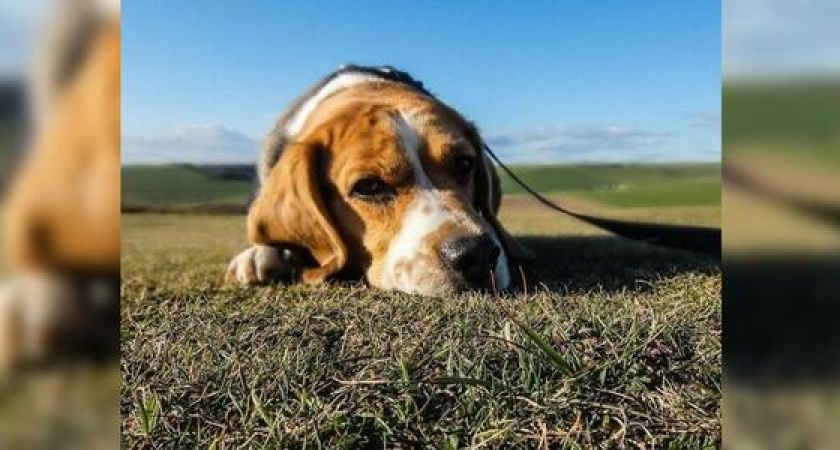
(474, 257)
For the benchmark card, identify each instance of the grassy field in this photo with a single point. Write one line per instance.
(179, 185)
(5, 144)
(625, 185)
(781, 111)
(616, 185)
(799, 120)
(619, 345)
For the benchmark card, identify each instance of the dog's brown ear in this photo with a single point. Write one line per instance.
(290, 208)
(488, 198)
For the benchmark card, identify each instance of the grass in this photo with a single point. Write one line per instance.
(5, 146)
(781, 359)
(613, 185)
(797, 118)
(62, 406)
(175, 184)
(789, 110)
(619, 346)
(673, 193)
(626, 185)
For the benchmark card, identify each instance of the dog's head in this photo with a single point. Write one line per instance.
(392, 184)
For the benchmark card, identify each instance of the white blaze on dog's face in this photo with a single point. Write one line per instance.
(400, 178)
(437, 219)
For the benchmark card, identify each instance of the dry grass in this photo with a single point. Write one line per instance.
(208, 365)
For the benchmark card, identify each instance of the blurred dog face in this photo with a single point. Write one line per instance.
(398, 190)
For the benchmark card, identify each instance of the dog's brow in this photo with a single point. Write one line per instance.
(460, 146)
(411, 143)
(459, 142)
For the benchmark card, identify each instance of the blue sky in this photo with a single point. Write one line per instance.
(781, 39)
(571, 81)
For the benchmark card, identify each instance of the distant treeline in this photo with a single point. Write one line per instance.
(203, 208)
(226, 172)
(228, 189)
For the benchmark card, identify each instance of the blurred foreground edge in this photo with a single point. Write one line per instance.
(59, 295)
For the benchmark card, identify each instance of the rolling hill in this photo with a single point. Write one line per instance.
(613, 185)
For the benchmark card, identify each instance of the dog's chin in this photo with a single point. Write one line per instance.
(436, 284)
(427, 287)
(449, 288)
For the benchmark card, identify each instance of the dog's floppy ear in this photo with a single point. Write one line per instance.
(488, 198)
(290, 208)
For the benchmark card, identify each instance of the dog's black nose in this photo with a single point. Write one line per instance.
(474, 257)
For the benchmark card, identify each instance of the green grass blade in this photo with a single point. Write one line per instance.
(546, 349)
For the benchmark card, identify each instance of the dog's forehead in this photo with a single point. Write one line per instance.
(359, 104)
(386, 135)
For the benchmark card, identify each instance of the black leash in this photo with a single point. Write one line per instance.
(684, 237)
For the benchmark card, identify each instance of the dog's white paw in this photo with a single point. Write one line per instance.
(259, 264)
(31, 309)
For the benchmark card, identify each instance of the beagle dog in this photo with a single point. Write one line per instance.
(370, 176)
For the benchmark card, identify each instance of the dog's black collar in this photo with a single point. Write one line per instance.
(389, 73)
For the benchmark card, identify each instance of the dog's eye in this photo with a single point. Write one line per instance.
(463, 167)
(372, 189)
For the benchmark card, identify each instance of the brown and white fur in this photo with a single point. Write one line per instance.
(61, 214)
(435, 232)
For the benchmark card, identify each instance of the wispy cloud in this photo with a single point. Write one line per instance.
(704, 119)
(547, 144)
(582, 143)
(191, 143)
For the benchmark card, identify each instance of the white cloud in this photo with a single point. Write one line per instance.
(548, 144)
(191, 143)
(582, 143)
(771, 38)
